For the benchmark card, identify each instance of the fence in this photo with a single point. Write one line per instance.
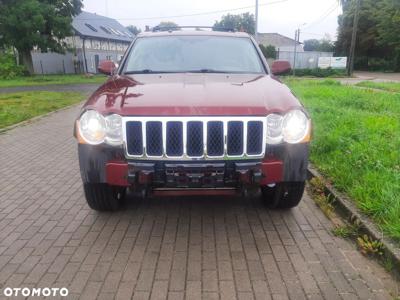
(304, 60)
(53, 63)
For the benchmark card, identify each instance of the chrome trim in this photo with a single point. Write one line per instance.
(185, 121)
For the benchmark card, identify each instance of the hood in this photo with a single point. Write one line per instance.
(189, 94)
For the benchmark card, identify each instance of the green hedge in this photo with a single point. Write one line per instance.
(329, 72)
(8, 67)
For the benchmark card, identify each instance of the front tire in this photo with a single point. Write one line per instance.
(103, 197)
(284, 195)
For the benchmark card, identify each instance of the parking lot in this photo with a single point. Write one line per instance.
(192, 248)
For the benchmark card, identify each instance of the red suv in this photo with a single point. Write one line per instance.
(192, 112)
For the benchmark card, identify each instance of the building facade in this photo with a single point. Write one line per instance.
(280, 42)
(95, 38)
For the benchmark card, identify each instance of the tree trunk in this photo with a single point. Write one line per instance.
(26, 59)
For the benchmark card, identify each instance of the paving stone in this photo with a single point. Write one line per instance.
(175, 248)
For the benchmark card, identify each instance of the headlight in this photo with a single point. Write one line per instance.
(92, 127)
(113, 129)
(295, 126)
(274, 129)
(96, 129)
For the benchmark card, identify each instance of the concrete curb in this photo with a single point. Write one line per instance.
(347, 209)
(37, 118)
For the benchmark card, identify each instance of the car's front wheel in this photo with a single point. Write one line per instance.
(103, 197)
(283, 195)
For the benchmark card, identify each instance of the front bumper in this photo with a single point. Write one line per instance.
(107, 164)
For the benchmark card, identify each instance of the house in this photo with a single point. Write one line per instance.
(281, 42)
(95, 38)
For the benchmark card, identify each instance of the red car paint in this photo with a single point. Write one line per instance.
(190, 94)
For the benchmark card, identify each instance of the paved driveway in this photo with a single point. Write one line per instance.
(181, 248)
(371, 76)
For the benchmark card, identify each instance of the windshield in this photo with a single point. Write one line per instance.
(205, 54)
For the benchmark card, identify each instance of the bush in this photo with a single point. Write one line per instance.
(268, 51)
(382, 64)
(8, 67)
(329, 72)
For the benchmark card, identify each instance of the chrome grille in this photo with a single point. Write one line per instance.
(195, 144)
(154, 145)
(135, 142)
(235, 138)
(189, 138)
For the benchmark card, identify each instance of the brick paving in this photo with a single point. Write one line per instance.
(179, 248)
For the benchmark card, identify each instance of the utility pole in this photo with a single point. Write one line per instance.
(353, 39)
(256, 27)
(296, 37)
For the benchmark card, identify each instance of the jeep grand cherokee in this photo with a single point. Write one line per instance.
(192, 113)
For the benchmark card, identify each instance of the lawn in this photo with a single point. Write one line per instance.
(51, 79)
(357, 145)
(387, 86)
(18, 107)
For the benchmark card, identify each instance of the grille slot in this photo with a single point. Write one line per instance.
(174, 139)
(235, 138)
(135, 141)
(254, 137)
(194, 137)
(154, 145)
(195, 144)
(215, 138)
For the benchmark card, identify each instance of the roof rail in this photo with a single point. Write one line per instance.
(174, 28)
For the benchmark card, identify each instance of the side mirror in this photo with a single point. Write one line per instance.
(280, 67)
(107, 67)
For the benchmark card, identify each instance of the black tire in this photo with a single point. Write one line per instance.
(284, 195)
(103, 197)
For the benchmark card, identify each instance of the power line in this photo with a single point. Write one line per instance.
(196, 14)
(324, 15)
(312, 33)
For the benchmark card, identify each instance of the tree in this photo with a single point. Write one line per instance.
(311, 45)
(369, 45)
(388, 19)
(323, 45)
(243, 22)
(268, 51)
(133, 29)
(165, 25)
(25, 24)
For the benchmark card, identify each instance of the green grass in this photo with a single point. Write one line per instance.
(18, 107)
(51, 79)
(356, 144)
(386, 86)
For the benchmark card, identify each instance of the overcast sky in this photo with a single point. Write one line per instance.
(282, 16)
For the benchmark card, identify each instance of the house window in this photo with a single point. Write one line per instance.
(105, 30)
(108, 57)
(91, 27)
(119, 32)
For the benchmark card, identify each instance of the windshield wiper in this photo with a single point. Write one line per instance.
(207, 71)
(146, 71)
